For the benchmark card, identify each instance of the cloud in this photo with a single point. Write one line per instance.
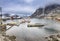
(19, 8)
(28, 1)
(28, 6)
(43, 3)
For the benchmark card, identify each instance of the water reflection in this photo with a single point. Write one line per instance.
(23, 33)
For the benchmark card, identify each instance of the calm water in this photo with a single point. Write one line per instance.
(23, 33)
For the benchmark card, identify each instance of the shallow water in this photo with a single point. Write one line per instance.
(23, 33)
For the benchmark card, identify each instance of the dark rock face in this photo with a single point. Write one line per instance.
(38, 12)
(50, 8)
(47, 10)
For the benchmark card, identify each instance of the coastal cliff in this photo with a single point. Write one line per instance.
(54, 9)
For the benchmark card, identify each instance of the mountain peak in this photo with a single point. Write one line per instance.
(47, 10)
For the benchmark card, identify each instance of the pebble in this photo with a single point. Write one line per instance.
(53, 37)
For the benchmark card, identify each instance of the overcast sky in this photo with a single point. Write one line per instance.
(24, 6)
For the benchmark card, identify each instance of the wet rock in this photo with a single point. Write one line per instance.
(12, 38)
(58, 36)
(46, 37)
(53, 37)
(5, 39)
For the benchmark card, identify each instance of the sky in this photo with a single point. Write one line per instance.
(24, 7)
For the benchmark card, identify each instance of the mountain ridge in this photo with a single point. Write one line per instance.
(48, 9)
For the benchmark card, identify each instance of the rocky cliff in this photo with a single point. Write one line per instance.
(47, 10)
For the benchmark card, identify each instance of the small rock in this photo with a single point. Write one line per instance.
(58, 36)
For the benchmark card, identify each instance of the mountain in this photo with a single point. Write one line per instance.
(52, 7)
(47, 10)
(37, 12)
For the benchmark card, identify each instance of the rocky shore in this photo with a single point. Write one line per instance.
(55, 37)
(7, 38)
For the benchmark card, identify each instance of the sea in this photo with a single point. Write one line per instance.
(24, 33)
